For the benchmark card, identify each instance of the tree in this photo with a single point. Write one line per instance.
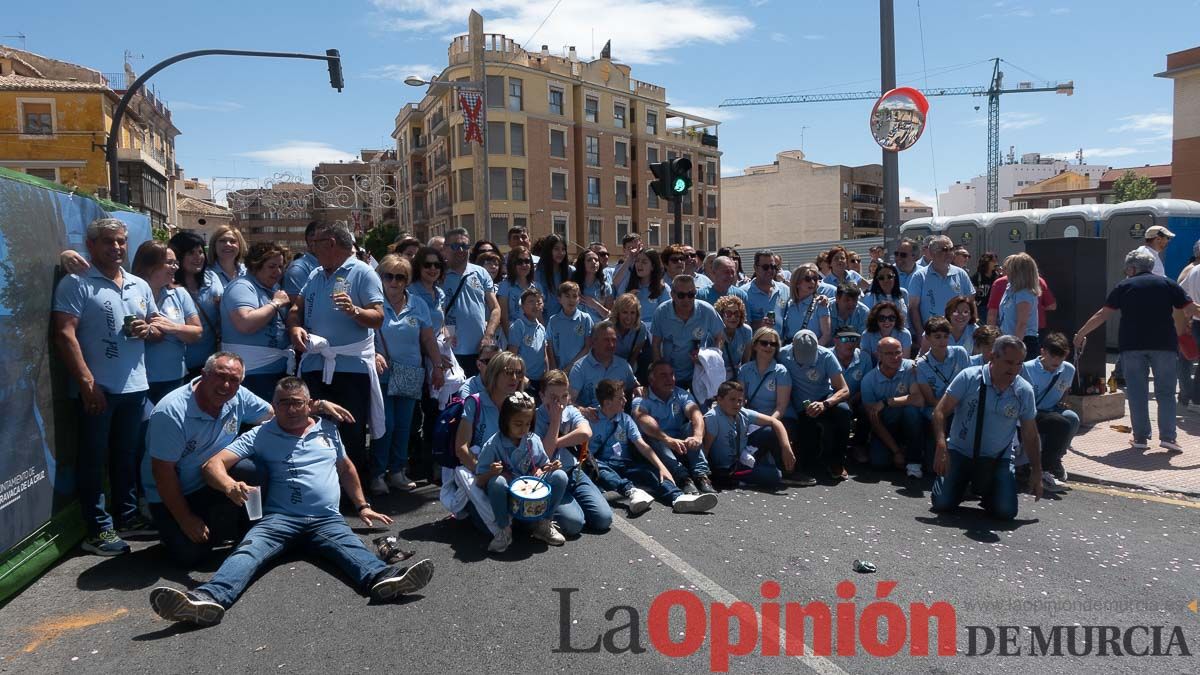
(379, 238)
(1132, 186)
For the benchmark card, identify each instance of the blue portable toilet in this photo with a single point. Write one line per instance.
(1008, 231)
(968, 230)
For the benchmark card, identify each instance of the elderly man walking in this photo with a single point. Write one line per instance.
(1146, 340)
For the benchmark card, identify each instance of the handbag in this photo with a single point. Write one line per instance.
(982, 469)
(406, 381)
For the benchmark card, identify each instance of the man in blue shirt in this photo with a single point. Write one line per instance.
(602, 363)
(906, 261)
(101, 322)
(471, 306)
(684, 326)
(977, 449)
(342, 302)
(848, 311)
(305, 463)
(819, 395)
(855, 364)
(763, 292)
(298, 271)
(724, 276)
(1051, 376)
(931, 287)
(666, 414)
(892, 402)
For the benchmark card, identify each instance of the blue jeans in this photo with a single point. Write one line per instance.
(824, 438)
(390, 453)
(694, 463)
(225, 520)
(1000, 502)
(109, 441)
(582, 505)
(497, 492)
(1137, 365)
(329, 537)
(907, 427)
(1056, 429)
(619, 475)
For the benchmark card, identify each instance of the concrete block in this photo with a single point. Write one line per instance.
(1098, 407)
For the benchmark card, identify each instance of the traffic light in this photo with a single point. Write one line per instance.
(662, 179)
(673, 178)
(335, 69)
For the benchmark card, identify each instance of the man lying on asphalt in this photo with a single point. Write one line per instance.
(304, 462)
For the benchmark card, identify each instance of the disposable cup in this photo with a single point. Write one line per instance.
(254, 504)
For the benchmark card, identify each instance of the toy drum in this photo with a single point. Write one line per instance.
(528, 498)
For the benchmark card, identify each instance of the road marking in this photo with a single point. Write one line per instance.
(1115, 492)
(52, 628)
(817, 664)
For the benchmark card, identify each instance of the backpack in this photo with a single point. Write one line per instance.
(445, 431)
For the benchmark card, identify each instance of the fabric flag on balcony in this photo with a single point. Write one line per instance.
(471, 103)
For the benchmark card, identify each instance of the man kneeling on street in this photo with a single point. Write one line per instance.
(304, 461)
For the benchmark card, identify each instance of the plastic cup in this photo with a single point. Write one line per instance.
(254, 504)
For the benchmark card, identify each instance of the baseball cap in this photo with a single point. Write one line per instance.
(1159, 231)
(804, 347)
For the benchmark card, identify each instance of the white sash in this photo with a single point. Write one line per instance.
(363, 350)
(256, 357)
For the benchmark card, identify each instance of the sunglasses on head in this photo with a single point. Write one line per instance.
(459, 247)
(433, 264)
(389, 277)
(767, 343)
(686, 296)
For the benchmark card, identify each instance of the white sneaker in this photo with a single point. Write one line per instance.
(1172, 447)
(1052, 484)
(401, 481)
(378, 486)
(639, 501)
(694, 503)
(1139, 445)
(545, 530)
(501, 541)
(913, 470)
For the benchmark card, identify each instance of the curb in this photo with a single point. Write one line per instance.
(1093, 480)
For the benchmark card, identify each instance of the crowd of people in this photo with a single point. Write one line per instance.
(218, 380)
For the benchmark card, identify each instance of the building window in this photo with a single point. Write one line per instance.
(521, 220)
(558, 143)
(495, 138)
(593, 150)
(622, 192)
(466, 185)
(45, 174)
(686, 204)
(594, 229)
(653, 237)
(465, 221)
(651, 154)
(518, 185)
(495, 91)
(622, 229)
(619, 115)
(845, 188)
(712, 238)
(593, 191)
(651, 199)
(37, 119)
(1052, 203)
(652, 122)
(516, 139)
(558, 186)
(845, 215)
(621, 153)
(556, 101)
(711, 206)
(497, 183)
(516, 96)
(687, 234)
(498, 227)
(711, 173)
(560, 226)
(591, 109)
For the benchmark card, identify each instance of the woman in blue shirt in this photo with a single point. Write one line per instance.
(767, 382)
(647, 283)
(517, 280)
(963, 316)
(885, 287)
(632, 334)
(205, 288)
(253, 311)
(736, 346)
(1018, 305)
(804, 306)
(176, 323)
(226, 249)
(552, 270)
(595, 293)
(882, 322)
(839, 272)
(428, 286)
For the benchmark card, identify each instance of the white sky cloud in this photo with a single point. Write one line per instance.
(813, 36)
(1059, 11)
(1156, 124)
(1011, 121)
(727, 170)
(1092, 154)
(399, 71)
(207, 106)
(708, 112)
(926, 198)
(638, 29)
(778, 37)
(299, 154)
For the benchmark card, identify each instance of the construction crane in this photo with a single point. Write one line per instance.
(993, 92)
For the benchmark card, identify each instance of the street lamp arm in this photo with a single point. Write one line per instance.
(110, 149)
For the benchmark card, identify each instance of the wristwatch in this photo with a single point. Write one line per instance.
(364, 506)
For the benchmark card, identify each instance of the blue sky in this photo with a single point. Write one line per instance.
(254, 117)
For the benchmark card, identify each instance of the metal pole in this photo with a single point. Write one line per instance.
(677, 228)
(891, 160)
(110, 148)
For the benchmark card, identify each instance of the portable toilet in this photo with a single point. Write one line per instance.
(917, 229)
(1126, 224)
(1007, 231)
(967, 230)
(1077, 220)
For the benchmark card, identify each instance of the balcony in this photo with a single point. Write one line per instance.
(419, 217)
(708, 139)
(867, 199)
(441, 207)
(864, 222)
(440, 163)
(419, 182)
(419, 146)
(438, 125)
(155, 161)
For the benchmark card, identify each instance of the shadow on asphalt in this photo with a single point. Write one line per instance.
(142, 569)
(179, 628)
(975, 523)
(1155, 459)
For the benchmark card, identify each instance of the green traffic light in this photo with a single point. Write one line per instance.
(680, 186)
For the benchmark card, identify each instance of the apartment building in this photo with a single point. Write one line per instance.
(568, 144)
(276, 214)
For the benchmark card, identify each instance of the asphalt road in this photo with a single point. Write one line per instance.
(1135, 559)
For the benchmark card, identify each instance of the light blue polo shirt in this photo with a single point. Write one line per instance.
(901, 303)
(165, 358)
(246, 293)
(702, 282)
(1007, 317)
(356, 278)
(117, 362)
(976, 360)
(876, 386)
(473, 385)
(649, 304)
(1044, 397)
(710, 294)
(484, 416)
(530, 339)
(762, 388)
(810, 381)
(758, 302)
(225, 278)
(1003, 412)
(827, 290)
(468, 314)
(601, 291)
(628, 341)
(734, 349)
(613, 438)
(729, 436)
(207, 301)
(967, 341)
(870, 341)
(852, 277)
(789, 316)
(552, 305)
(302, 477)
(679, 335)
(568, 335)
(854, 372)
(509, 295)
(519, 460)
(298, 272)
(401, 332)
(935, 290)
(180, 432)
(588, 371)
(857, 319)
(570, 420)
(939, 374)
(671, 413)
(435, 302)
(904, 278)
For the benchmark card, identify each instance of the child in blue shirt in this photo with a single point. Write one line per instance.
(1052, 376)
(569, 331)
(937, 368)
(527, 338)
(743, 445)
(567, 441)
(513, 452)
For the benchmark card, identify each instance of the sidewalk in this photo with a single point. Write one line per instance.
(1100, 454)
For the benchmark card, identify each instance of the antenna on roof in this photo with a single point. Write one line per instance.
(19, 36)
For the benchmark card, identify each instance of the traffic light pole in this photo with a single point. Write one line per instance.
(677, 228)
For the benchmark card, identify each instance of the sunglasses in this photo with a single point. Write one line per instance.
(524, 261)
(486, 250)
(459, 247)
(389, 277)
(886, 277)
(941, 249)
(848, 338)
(433, 264)
(901, 254)
(812, 279)
(768, 268)
(887, 318)
(602, 254)
(686, 296)
(514, 372)
(767, 343)
(732, 313)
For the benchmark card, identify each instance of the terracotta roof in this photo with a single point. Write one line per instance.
(185, 204)
(1152, 172)
(16, 56)
(911, 203)
(22, 83)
